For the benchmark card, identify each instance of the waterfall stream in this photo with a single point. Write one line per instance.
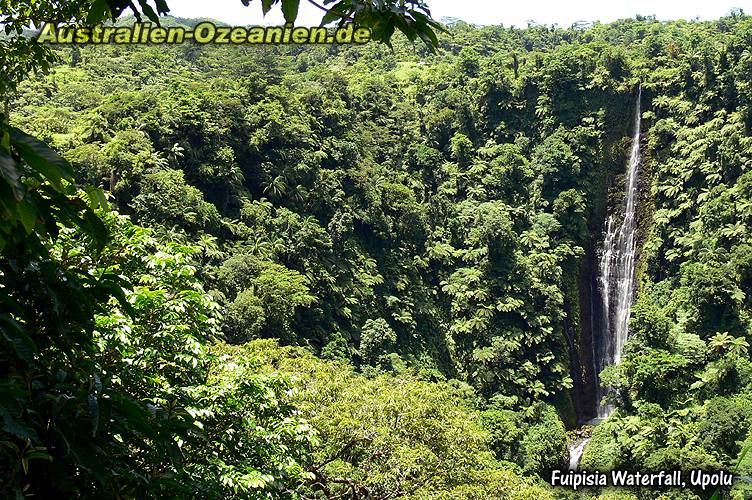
(575, 453)
(616, 275)
(616, 270)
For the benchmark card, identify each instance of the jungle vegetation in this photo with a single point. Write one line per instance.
(357, 271)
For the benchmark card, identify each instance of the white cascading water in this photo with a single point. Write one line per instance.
(616, 282)
(575, 453)
(616, 270)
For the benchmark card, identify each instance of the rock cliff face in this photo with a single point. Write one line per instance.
(606, 283)
(616, 269)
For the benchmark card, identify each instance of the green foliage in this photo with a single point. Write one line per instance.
(649, 326)
(603, 452)
(389, 436)
(164, 197)
(252, 441)
(324, 180)
(544, 446)
(507, 430)
(725, 426)
(134, 410)
(376, 337)
(533, 438)
(244, 317)
(713, 298)
(52, 392)
(426, 216)
(264, 297)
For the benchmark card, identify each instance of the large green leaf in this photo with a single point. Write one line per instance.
(9, 172)
(149, 11)
(266, 5)
(98, 12)
(17, 337)
(41, 158)
(27, 213)
(290, 10)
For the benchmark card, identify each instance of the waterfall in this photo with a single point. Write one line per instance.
(616, 270)
(575, 453)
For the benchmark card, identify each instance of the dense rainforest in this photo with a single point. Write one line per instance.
(368, 271)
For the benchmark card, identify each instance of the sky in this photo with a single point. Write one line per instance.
(515, 12)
